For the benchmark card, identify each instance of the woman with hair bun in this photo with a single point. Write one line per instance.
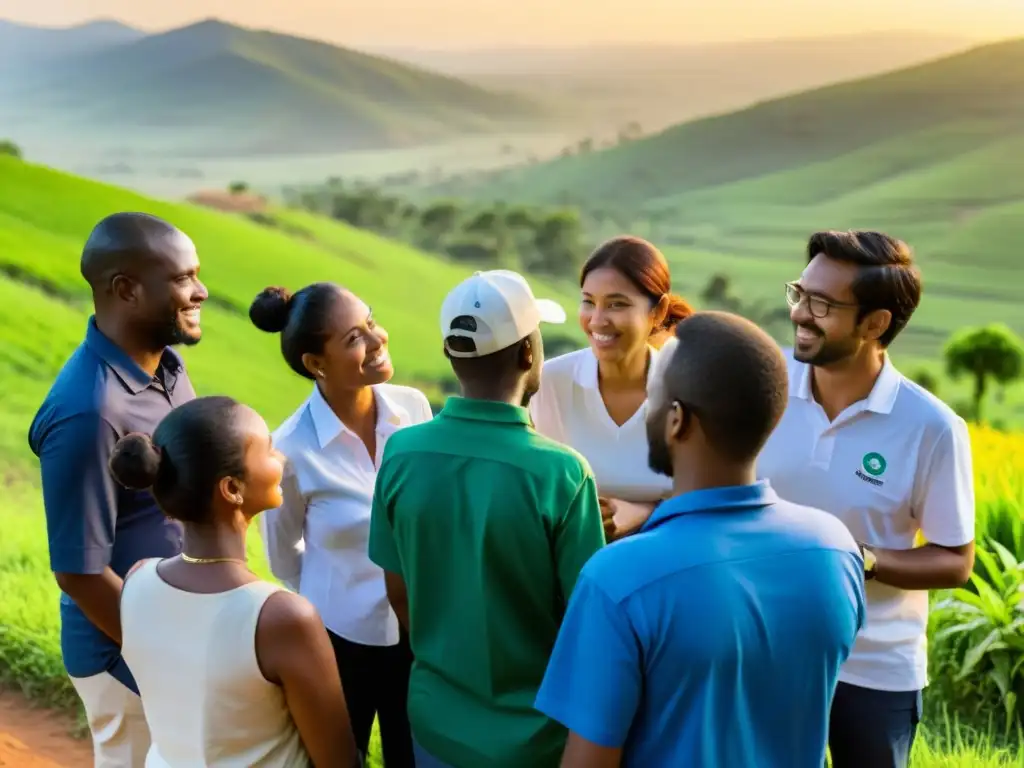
(232, 670)
(317, 539)
(595, 399)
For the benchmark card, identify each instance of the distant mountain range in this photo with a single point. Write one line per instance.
(658, 85)
(896, 121)
(22, 46)
(213, 88)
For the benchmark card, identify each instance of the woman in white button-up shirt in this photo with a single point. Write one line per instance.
(317, 540)
(595, 399)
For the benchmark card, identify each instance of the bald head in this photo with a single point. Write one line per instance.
(144, 274)
(129, 243)
(726, 373)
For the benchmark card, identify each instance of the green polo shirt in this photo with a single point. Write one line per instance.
(489, 523)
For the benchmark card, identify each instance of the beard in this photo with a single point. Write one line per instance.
(171, 332)
(824, 352)
(659, 457)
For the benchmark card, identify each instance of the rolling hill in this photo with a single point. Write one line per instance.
(24, 47)
(658, 85)
(215, 89)
(912, 118)
(933, 154)
(45, 216)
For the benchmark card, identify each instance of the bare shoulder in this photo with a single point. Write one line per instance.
(288, 629)
(286, 613)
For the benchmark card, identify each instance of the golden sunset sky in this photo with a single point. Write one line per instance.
(474, 23)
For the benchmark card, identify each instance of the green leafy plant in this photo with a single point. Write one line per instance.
(980, 631)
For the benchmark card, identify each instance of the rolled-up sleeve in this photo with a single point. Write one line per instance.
(79, 493)
(283, 529)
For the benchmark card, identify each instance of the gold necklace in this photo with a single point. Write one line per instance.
(204, 560)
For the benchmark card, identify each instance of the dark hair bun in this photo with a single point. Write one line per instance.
(135, 462)
(269, 311)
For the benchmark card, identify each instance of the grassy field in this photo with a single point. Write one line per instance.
(44, 215)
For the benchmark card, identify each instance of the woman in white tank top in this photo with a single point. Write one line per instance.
(234, 672)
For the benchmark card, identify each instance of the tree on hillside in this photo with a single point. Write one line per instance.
(238, 187)
(986, 354)
(557, 242)
(10, 149)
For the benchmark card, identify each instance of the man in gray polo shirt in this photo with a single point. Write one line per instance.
(144, 275)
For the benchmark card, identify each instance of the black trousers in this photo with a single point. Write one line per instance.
(375, 679)
(872, 728)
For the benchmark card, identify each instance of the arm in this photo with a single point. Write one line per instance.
(293, 651)
(80, 499)
(578, 535)
(594, 680)
(394, 584)
(624, 518)
(944, 503)
(383, 550)
(282, 532)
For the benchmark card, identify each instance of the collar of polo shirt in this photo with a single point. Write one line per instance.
(726, 498)
(880, 400)
(126, 369)
(485, 410)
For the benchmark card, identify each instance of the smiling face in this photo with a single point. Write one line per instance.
(355, 353)
(615, 315)
(172, 292)
(264, 467)
(825, 314)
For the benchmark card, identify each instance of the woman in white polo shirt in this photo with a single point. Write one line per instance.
(595, 400)
(317, 540)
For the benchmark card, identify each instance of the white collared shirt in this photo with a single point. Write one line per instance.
(889, 466)
(316, 542)
(569, 408)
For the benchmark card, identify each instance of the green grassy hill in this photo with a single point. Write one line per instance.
(905, 121)
(933, 154)
(216, 89)
(46, 215)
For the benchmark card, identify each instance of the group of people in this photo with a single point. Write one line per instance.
(677, 546)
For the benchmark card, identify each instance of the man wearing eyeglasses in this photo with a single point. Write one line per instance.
(893, 462)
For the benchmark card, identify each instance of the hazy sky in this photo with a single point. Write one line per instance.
(470, 23)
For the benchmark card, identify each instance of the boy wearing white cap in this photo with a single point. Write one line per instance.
(482, 526)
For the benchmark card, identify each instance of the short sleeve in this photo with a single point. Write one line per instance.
(945, 490)
(578, 535)
(594, 678)
(79, 493)
(383, 550)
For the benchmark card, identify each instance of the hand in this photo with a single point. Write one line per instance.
(623, 518)
(608, 517)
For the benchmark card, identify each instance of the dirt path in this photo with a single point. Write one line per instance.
(37, 738)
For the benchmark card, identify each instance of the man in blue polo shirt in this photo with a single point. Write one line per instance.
(712, 638)
(144, 275)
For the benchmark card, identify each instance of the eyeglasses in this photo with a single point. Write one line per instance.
(818, 305)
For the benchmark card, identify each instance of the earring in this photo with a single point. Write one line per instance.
(319, 373)
(238, 500)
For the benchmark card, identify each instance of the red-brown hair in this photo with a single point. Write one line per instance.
(645, 266)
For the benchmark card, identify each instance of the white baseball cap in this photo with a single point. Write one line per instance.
(495, 309)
